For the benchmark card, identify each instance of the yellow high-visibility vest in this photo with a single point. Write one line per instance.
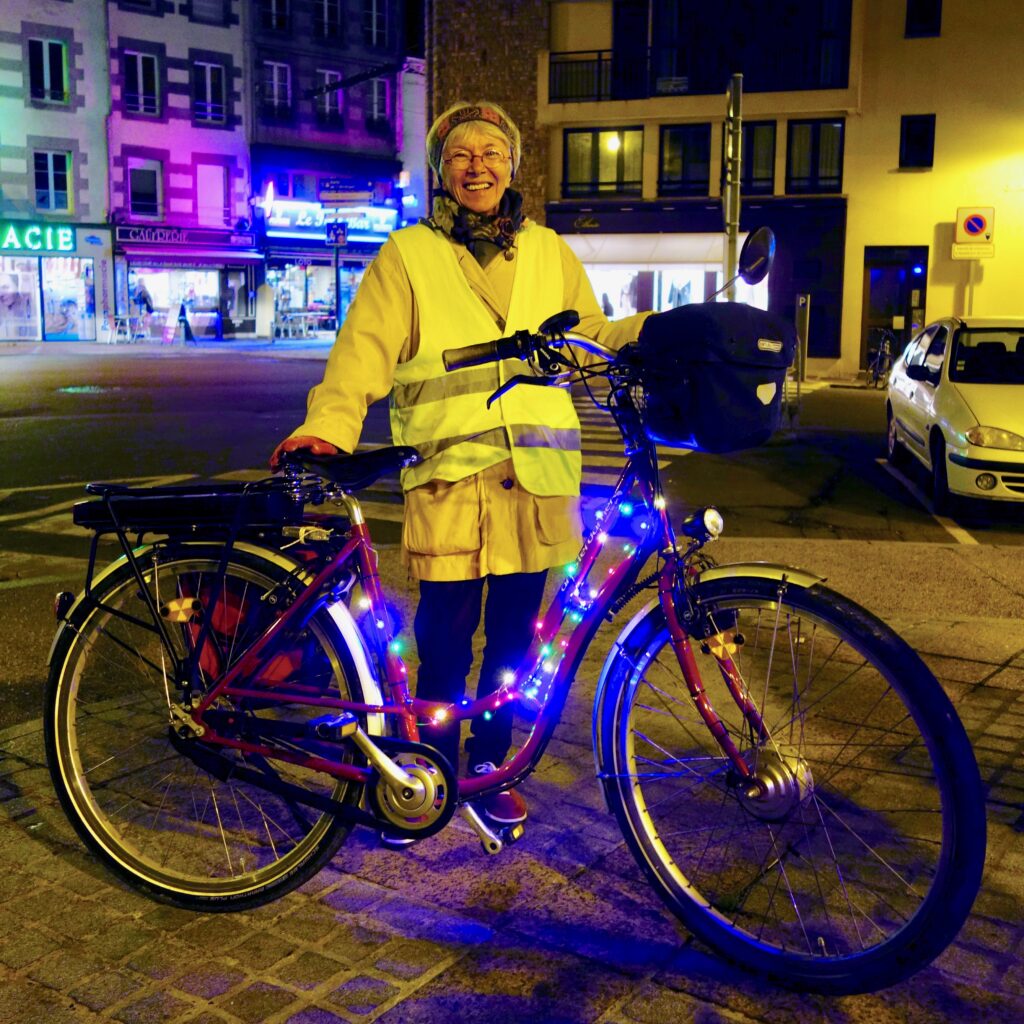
(444, 415)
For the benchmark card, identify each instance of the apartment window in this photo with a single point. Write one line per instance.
(47, 70)
(685, 167)
(277, 88)
(52, 171)
(145, 181)
(757, 158)
(213, 195)
(140, 83)
(328, 102)
(602, 161)
(327, 19)
(275, 15)
(917, 140)
(208, 93)
(209, 12)
(375, 22)
(815, 156)
(924, 19)
(378, 108)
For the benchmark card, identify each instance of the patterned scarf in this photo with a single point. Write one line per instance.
(485, 235)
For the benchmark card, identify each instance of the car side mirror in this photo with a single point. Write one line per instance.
(918, 372)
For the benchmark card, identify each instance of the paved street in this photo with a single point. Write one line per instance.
(558, 928)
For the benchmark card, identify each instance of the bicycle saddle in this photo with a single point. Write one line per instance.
(354, 472)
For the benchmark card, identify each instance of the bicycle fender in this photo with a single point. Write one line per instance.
(764, 571)
(621, 647)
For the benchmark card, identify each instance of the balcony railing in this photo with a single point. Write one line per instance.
(582, 76)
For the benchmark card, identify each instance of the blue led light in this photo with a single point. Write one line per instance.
(918, 269)
(626, 508)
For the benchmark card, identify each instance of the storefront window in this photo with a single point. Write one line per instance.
(19, 298)
(156, 294)
(69, 298)
(616, 287)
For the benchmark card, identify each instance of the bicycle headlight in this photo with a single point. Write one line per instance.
(995, 437)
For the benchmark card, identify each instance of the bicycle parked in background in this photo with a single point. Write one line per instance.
(881, 358)
(227, 700)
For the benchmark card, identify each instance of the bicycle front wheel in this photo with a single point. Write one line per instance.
(852, 855)
(171, 817)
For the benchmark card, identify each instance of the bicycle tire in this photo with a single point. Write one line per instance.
(865, 864)
(157, 818)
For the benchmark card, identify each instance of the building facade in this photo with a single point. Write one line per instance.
(867, 126)
(56, 260)
(179, 166)
(325, 77)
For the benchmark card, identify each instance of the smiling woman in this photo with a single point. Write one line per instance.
(484, 507)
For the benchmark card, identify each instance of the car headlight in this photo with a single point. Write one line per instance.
(995, 437)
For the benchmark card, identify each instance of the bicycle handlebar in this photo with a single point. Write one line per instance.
(523, 344)
(517, 346)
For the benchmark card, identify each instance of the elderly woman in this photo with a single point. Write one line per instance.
(495, 503)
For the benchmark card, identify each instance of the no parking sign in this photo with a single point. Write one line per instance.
(975, 223)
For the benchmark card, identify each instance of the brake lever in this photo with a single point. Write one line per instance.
(521, 378)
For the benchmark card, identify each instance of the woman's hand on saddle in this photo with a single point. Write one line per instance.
(305, 442)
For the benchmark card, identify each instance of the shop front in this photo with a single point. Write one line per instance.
(314, 279)
(210, 274)
(56, 281)
(656, 255)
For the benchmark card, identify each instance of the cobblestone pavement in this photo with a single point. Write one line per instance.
(559, 928)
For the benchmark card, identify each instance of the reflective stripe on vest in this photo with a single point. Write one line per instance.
(445, 415)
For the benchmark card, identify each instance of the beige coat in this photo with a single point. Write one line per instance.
(486, 523)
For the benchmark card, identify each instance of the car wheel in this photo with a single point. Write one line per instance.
(895, 452)
(941, 498)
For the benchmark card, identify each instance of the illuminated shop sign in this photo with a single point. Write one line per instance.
(289, 218)
(182, 236)
(29, 236)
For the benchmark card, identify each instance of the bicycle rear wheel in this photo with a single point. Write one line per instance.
(155, 809)
(858, 859)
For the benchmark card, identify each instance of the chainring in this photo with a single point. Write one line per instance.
(419, 819)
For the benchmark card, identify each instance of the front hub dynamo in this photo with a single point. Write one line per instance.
(414, 812)
(780, 782)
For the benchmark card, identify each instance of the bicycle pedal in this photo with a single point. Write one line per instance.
(333, 727)
(512, 833)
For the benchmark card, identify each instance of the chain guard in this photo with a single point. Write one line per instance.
(433, 769)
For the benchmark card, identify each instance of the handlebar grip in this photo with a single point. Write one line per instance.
(471, 355)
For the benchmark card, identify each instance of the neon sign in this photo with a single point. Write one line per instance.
(30, 236)
(289, 218)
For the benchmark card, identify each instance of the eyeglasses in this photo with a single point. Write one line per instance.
(492, 158)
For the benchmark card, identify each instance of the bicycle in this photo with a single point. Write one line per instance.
(881, 359)
(227, 700)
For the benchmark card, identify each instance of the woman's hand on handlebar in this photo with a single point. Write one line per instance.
(304, 442)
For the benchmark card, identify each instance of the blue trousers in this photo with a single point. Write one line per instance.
(447, 617)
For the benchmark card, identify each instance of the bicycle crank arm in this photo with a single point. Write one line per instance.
(492, 842)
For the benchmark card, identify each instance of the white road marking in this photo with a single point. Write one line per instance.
(953, 528)
(32, 581)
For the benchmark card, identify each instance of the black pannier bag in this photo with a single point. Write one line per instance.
(713, 375)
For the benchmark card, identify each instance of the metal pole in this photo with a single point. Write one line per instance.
(733, 168)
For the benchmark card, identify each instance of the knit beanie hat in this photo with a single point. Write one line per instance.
(461, 113)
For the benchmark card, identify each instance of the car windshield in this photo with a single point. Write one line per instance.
(993, 355)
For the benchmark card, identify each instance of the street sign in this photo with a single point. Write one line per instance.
(975, 224)
(973, 250)
(339, 191)
(337, 233)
